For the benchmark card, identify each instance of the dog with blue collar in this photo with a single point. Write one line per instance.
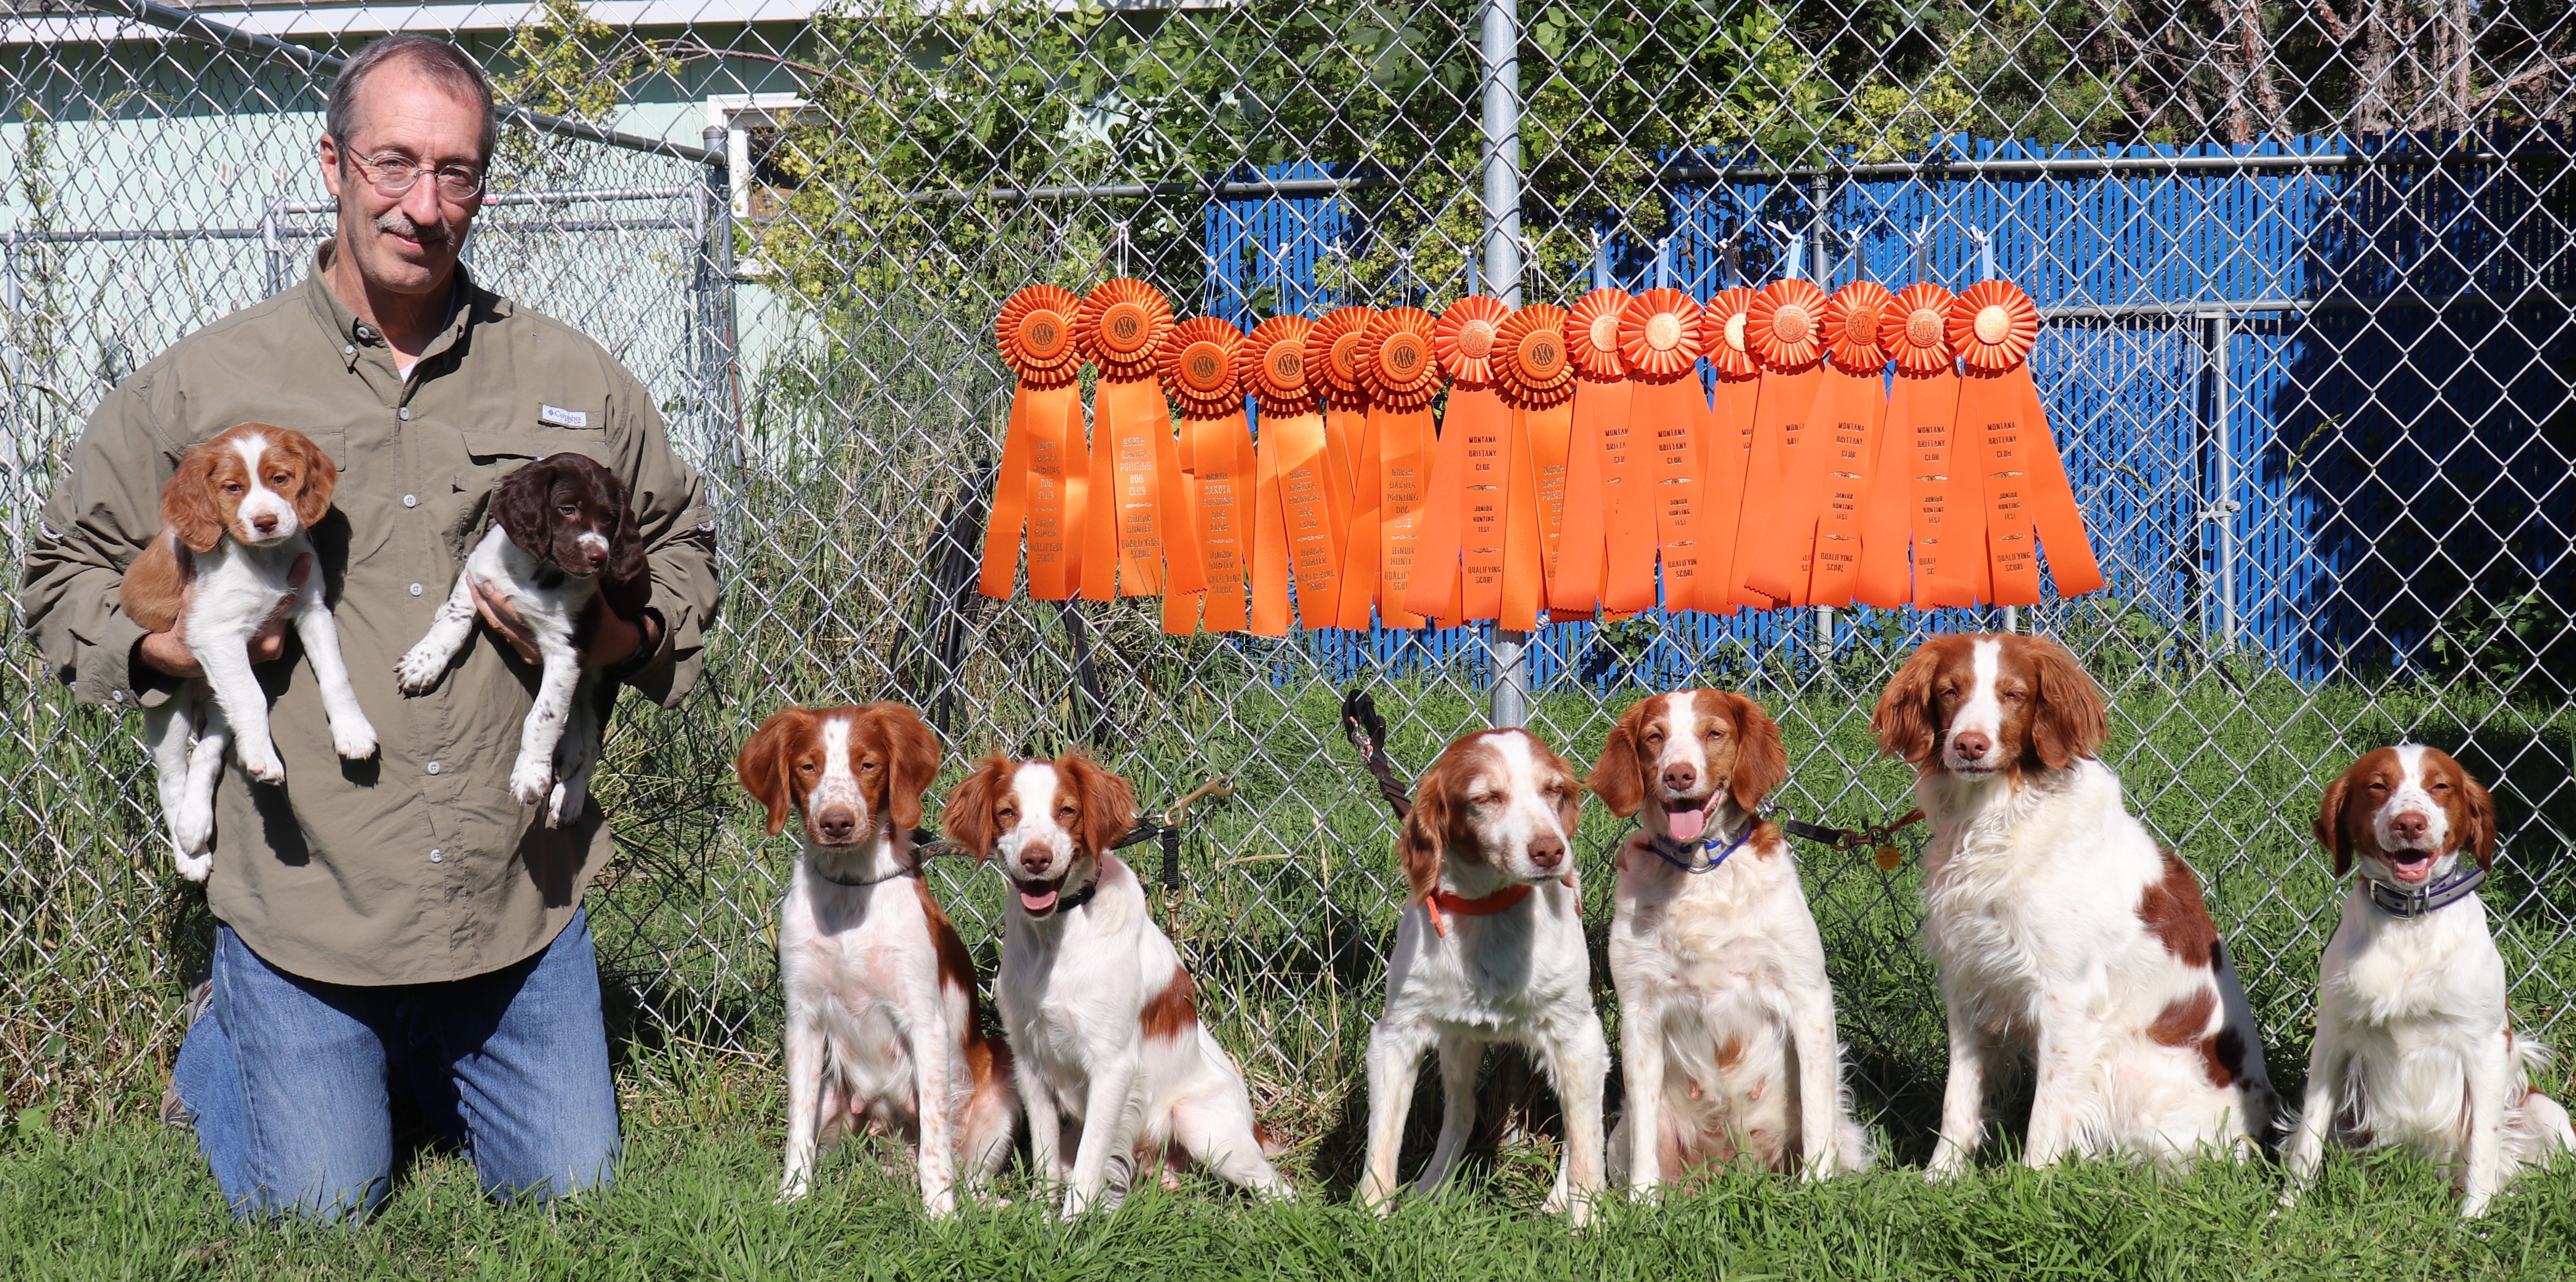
(1727, 1018)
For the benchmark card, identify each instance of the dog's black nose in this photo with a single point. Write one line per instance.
(836, 823)
(1681, 776)
(1971, 745)
(1547, 852)
(2409, 826)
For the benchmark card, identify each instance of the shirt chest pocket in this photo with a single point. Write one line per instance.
(489, 456)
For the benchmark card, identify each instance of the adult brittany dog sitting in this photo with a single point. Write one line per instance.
(1726, 1018)
(2061, 930)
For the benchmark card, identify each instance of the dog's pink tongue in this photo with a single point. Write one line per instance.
(1686, 824)
(1037, 903)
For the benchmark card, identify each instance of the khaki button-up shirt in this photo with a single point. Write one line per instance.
(417, 865)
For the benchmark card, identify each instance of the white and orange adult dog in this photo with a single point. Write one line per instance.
(1726, 1024)
(2060, 928)
(2414, 1044)
(235, 518)
(1113, 1062)
(1489, 950)
(881, 1009)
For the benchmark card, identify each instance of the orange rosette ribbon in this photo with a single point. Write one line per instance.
(1302, 510)
(1785, 330)
(1606, 557)
(1458, 567)
(1140, 524)
(1402, 376)
(1945, 501)
(1333, 370)
(1039, 484)
(1726, 322)
(2029, 502)
(1535, 373)
(1197, 365)
(1850, 416)
(1659, 342)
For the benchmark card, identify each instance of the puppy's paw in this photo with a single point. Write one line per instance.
(192, 830)
(530, 781)
(195, 867)
(565, 804)
(420, 670)
(792, 1191)
(355, 741)
(259, 757)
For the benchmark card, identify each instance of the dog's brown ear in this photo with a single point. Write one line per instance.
(1761, 761)
(906, 752)
(967, 819)
(2482, 820)
(155, 586)
(1426, 829)
(2068, 720)
(1108, 803)
(321, 475)
(1905, 721)
(765, 764)
(2331, 830)
(188, 507)
(1618, 777)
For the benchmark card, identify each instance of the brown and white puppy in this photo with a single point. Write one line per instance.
(235, 518)
(1113, 1062)
(1489, 950)
(2061, 930)
(2414, 1044)
(881, 1007)
(1726, 1024)
(564, 541)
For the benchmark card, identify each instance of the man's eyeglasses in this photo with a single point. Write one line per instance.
(393, 174)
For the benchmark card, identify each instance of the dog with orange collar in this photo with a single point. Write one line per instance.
(1490, 949)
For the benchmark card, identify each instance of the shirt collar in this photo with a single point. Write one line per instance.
(470, 304)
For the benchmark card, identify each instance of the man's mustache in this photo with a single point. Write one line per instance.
(398, 223)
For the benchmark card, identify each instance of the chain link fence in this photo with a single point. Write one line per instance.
(2306, 269)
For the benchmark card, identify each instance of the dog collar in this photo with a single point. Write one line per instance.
(1066, 901)
(1440, 901)
(1680, 853)
(2407, 905)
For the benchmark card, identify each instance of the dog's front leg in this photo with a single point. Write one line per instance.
(1108, 1124)
(1580, 1062)
(1046, 1125)
(2326, 1067)
(226, 662)
(187, 810)
(1820, 1081)
(2490, 1072)
(426, 662)
(805, 1068)
(1394, 1056)
(932, 1053)
(352, 735)
(576, 755)
(1460, 1057)
(1963, 1097)
(1641, 1055)
(534, 774)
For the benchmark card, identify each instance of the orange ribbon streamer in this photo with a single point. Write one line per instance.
(1784, 329)
(1728, 443)
(1304, 505)
(1395, 363)
(1198, 371)
(1468, 510)
(1332, 365)
(1036, 335)
(1945, 501)
(1856, 384)
(1537, 382)
(1141, 534)
(1659, 342)
(1994, 325)
(1605, 436)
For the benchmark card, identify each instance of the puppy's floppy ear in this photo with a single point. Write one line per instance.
(521, 507)
(1905, 722)
(188, 501)
(2330, 828)
(2068, 720)
(1108, 803)
(1618, 778)
(1426, 829)
(2481, 837)
(911, 755)
(321, 476)
(967, 819)
(763, 766)
(1761, 761)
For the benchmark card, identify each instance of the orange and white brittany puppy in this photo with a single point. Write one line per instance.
(1113, 1063)
(1489, 950)
(2062, 931)
(1726, 1025)
(235, 518)
(2414, 1045)
(881, 1009)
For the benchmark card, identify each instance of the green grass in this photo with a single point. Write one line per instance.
(128, 1200)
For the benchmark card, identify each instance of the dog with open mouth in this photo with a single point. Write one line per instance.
(2415, 1045)
(1114, 1064)
(1726, 1015)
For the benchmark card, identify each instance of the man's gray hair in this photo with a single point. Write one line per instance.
(443, 64)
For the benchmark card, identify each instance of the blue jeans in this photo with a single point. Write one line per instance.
(287, 1078)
